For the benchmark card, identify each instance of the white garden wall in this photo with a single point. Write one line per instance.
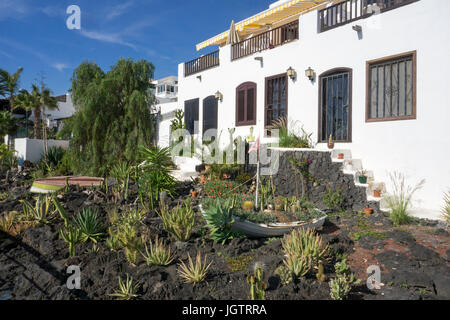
(33, 149)
(164, 122)
(419, 148)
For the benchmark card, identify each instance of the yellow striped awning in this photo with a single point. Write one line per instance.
(261, 19)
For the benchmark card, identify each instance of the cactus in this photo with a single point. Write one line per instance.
(72, 235)
(248, 205)
(320, 273)
(257, 285)
(285, 274)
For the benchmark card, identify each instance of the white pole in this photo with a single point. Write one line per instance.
(257, 180)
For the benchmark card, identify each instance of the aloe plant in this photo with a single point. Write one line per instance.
(87, 222)
(41, 213)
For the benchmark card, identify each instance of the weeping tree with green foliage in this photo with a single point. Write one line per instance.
(112, 115)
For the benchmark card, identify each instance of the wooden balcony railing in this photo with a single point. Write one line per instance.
(350, 10)
(267, 40)
(205, 62)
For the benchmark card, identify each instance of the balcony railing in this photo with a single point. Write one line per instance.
(267, 40)
(350, 10)
(200, 64)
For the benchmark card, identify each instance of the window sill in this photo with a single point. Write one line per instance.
(392, 119)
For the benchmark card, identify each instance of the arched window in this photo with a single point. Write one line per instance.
(246, 104)
(335, 105)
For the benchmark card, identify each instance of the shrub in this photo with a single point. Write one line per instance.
(217, 188)
(399, 200)
(127, 290)
(128, 237)
(55, 156)
(89, 225)
(194, 272)
(284, 273)
(155, 174)
(179, 221)
(121, 172)
(243, 178)
(333, 199)
(446, 208)
(341, 286)
(291, 138)
(158, 254)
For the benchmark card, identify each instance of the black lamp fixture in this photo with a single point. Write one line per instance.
(291, 73)
(219, 96)
(309, 73)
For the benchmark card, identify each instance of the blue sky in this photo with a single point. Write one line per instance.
(33, 34)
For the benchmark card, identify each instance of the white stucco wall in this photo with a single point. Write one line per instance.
(419, 148)
(164, 125)
(33, 149)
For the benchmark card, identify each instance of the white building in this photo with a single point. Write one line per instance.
(166, 94)
(378, 83)
(53, 118)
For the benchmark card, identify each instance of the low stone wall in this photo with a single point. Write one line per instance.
(327, 176)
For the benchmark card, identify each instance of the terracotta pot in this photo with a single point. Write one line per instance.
(340, 156)
(368, 211)
(330, 145)
(194, 194)
(207, 167)
(376, 194)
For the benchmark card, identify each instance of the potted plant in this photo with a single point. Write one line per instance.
(368, 211)
(362, 176)
(340, 156)
(377, 193)
(330, 142)
(194, 194)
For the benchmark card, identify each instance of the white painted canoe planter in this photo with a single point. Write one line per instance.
(261, 230)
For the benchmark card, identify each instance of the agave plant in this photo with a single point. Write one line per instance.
(41, 213)
(179, 221)
(127, 290)
(87, 222)
(194, 272)
(157, 254)
(219, 218)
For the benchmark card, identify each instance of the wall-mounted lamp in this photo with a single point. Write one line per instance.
(309, 73)
(291, 73)
(357, 28)
(219, 96)
(199, 78)
(260, 59)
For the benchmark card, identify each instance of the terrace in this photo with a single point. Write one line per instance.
(348, 11)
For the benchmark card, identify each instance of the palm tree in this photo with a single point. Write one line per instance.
(37, 100)
(9, 83)
(26, 101)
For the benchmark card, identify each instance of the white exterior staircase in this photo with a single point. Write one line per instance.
(352, 166)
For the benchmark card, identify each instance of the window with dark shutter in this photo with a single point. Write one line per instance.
(191, 115)
(246, 104)
(276, 98)
(391, 88)
(209, 113)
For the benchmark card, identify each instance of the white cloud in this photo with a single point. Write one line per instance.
(118, 10)
(60, 66)
(15, 9)
(107, 37)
